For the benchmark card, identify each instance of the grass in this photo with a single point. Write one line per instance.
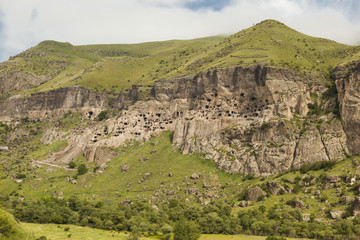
(15, 230)
(113, 185)
(56, 232)
(105, 186)
(116, 67)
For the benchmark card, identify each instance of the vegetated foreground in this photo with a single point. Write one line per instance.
(57, 232)
(256, 133)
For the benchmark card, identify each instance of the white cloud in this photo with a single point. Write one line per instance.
(26, 23)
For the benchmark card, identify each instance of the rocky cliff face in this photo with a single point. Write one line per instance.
(348, 86)
(248, 120)
(53, 103)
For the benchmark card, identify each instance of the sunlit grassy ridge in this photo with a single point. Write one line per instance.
(274, 43)
(10, 229)
(56, 232)
(115, 67)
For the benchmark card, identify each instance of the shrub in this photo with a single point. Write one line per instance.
(305, 168)
(5, 226)
(264, 126)
(72, 164)
(185, 230)
(102, 115)
(21, 176)
(82, 169)
(166, 229)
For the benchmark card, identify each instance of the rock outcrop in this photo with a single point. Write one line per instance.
(254, 194)
(355, 207)
(248, 120)
(348, 87)
(53, 103)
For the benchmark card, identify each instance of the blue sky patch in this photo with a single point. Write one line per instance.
(215, 5)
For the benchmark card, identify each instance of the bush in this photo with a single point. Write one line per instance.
(166, 229)
(264, 125)
(5, 226)
(185, 230)
(102, 115)
(72, 164)
(305, 168)
(21, 176)
(315, 109)
(82, 169)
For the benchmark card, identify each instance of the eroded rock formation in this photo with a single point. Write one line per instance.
(248, 120)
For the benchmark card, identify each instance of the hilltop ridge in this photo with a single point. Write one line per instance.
(116, 67)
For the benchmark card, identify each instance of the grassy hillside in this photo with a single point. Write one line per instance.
(114, 68)
(113, 185)
(56, 232)
(157, 159)
(10, 229)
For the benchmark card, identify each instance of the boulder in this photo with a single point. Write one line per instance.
(244, 204)
(333, 178)
(347, 200)
(125, 168)
(350, 179)
(4, 148)
(336, 214)
(194, 176)
(297, 204)
(306, 217)
(355, 207)
(274, 187)
(254, 194)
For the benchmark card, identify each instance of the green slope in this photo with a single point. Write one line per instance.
(10, 229)
(274, 43)
(115, 67)
(114, 185)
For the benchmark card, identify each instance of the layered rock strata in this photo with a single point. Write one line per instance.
(248, 120)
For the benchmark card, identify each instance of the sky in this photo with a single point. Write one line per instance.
(25, 23)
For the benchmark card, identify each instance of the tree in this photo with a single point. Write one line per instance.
(186, 230)
(135, 233)
(166, 229)
(82, 169)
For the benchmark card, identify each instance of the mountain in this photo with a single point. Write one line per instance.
(267, 115)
